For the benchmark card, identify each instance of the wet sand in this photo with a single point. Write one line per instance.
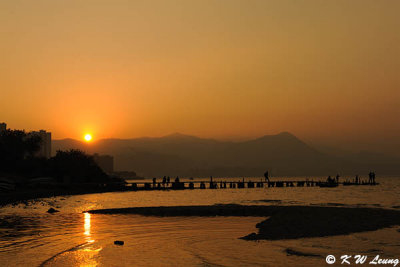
(284, 222)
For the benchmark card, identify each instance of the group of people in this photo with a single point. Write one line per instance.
(165, 181)
(371, 179)
(357, 180)
(333, 180)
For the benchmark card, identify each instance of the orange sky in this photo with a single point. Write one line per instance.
(324, 70)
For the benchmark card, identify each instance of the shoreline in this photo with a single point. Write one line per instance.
(283, 222)
(12, 198)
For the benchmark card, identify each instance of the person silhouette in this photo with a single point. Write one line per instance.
(337, 178)
(266, 175)
(212, 186)
(370, 175)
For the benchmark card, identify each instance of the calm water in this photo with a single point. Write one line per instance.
(31, 237)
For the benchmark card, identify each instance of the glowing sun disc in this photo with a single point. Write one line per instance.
(88, 137)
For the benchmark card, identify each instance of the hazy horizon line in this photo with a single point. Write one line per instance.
(233, 138)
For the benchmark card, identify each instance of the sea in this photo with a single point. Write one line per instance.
(29, 236)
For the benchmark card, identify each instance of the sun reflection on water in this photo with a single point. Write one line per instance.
(87, 255)
(86, 227)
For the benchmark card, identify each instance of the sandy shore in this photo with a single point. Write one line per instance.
(284, 222)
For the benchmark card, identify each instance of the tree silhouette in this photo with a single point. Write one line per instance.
(77, 166)
(15, 147)
(18, 157)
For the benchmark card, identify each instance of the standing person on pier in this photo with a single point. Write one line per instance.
(337, 178)
(266, 175)
(211, 183)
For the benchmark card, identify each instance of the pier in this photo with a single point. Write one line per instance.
(227, 184)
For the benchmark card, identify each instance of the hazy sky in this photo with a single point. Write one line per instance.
(327, 71)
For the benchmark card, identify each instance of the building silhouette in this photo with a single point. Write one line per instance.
(45, 144)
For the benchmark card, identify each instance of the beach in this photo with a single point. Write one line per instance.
(296, 226)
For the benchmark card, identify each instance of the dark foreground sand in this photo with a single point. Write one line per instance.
(284, 222)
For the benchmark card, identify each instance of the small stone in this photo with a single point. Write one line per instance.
(119, 243)
(51, 210)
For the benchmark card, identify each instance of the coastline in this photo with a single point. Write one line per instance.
(26, 195)
(284, 222)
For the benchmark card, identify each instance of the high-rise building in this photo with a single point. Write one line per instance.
(3, 127)
(105, 162)
(45, 145)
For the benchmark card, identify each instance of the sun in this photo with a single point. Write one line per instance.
(88, 137)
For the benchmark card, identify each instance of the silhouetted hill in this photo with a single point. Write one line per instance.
(184, 155)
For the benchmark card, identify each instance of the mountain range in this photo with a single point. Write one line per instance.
(283, 155)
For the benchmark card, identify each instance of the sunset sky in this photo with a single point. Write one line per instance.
(326, 71)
